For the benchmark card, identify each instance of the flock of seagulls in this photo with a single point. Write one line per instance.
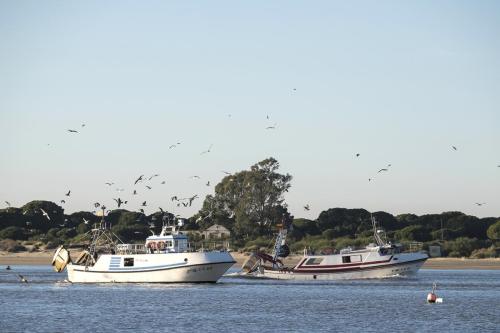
(187, 202)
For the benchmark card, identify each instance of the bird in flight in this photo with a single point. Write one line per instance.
(45, 214)
(480, 203)
(174, 198)
(226, 172)
(72, 131)
(8, 203)
(155, 175)
(109, 183)
(23, 279)
(138, 179)
(163, 182)
(135, 192)
(271, 127)
(306, 207)
(83, 125)
(454, 148)
(192, 199)
(85, 221)
(144, 204)
(149, 187)
(382, 170)
(208, 183)
(195, 177)
(357, 155)
(141, 210)
(96, 204)
(69, 193)
(119, 202)
(207, 151)
(63, 201)
(174, 145)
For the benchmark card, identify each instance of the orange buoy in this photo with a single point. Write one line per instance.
(432, 297)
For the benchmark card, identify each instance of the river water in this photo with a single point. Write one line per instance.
(46, 304)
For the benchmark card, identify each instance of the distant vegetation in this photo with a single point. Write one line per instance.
(250, 204)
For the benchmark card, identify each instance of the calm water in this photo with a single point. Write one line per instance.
(471, 303)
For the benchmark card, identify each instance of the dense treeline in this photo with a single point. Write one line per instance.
(250, 204)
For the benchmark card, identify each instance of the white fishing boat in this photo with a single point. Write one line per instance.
(164, 258)
(379, 260)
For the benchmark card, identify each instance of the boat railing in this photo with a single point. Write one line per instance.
(413, 246)
(202, 246)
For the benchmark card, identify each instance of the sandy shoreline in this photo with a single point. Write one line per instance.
(45, 258)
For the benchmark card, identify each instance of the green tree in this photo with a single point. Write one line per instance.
(413, 233)
(494, 231)
(249, 202)
(12, 233)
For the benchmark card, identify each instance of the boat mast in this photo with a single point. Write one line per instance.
(280, 241)
(376, 232)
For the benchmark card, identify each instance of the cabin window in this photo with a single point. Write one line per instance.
(346, 259)
(128, 262)
(168, 243)
(355, 258)
(314, 261)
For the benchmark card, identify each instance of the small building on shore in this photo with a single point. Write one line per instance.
(216, 231)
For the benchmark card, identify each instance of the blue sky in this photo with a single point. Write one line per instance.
(399, 83)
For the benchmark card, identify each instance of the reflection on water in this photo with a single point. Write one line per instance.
(48, 304)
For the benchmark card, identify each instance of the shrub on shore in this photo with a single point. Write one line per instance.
(11, 245)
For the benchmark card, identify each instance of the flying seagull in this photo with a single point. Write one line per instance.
(135, 192)
(144, 204)
(63, 201)
(208, 183)
(72, 131)
(109, 183)
(155, 175)
(83, 125)
(306, 207)
(45, 214)
(480, 203)
(163, 182)
(85, 221)
(226, 172)
(207, 151)
(382, 170)
(454, 148)
(8, 203)
(69, 193)
(96, 204)
(119, 202)
(192, 198)
(271, 127)
(195, 177)
(174, 198)
(23, 279)
(138, 179)
(149, 187)
(357, 155)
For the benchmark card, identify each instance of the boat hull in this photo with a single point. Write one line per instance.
(154, 268)
(375, 272)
